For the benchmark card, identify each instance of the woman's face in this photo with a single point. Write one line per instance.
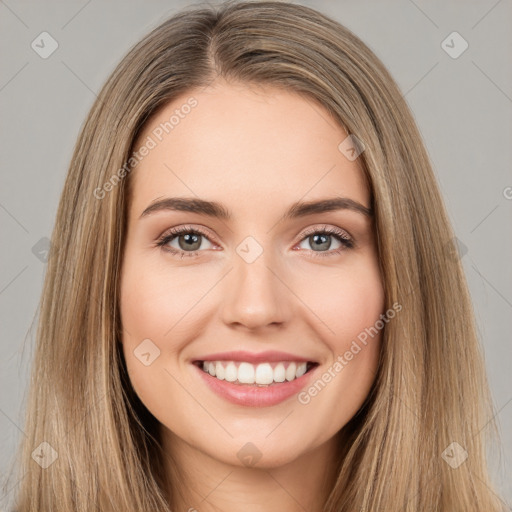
(250, 276)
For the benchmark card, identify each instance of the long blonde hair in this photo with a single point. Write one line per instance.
(430, 390)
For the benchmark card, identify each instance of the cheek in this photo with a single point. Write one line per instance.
(347, 300)
(358, 309)
(349, 303)
(357, 339)
(145, 305)
(153, 301)
(154, 305)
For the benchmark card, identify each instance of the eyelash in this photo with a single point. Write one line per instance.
(346, 242)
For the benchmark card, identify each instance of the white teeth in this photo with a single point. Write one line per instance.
(231, 372)
(246, 373)
(279, 373)
(219, 371)
(301, 370)
(262, 374)
(290, 371)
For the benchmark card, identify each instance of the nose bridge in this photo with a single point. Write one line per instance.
(254, 295)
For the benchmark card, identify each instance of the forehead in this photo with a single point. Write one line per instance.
(244, 146)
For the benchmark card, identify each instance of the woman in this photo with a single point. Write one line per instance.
(253, 301)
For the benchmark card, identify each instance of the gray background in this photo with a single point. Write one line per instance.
(462, 105)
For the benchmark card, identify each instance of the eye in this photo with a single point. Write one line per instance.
(188, 240)
(320, 240)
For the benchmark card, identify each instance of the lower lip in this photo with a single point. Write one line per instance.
(252, 395)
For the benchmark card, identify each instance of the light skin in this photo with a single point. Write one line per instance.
(257, 151)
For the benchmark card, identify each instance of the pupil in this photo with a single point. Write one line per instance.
(322, 245)
(190, 240)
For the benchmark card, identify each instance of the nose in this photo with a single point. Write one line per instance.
(255, 294)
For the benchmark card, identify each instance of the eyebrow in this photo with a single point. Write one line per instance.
(217, 210)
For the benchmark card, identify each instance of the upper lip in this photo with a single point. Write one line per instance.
(251, 357)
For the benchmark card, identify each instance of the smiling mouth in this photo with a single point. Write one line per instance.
(263, 374)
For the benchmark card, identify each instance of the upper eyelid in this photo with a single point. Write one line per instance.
(178, 230)
(332, 230)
